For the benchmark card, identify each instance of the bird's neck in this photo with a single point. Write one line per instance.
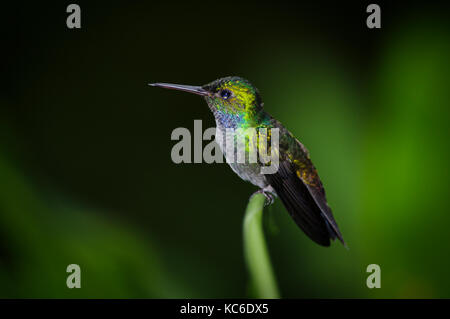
(228, 120)
(241, 120)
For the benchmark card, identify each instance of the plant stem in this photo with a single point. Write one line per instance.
(255, 250)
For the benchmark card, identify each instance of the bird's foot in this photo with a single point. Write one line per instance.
(268, 194)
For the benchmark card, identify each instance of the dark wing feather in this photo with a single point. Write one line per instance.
(306, 204)
(318, 195)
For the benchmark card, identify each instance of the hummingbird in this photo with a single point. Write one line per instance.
(236, 103)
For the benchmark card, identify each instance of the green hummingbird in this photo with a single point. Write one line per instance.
(236, 103)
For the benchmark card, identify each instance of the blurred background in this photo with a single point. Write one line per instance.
(87, 177)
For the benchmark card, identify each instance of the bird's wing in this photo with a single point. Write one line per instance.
(298, 185)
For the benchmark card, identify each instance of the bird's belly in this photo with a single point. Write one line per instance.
(250, 172)
(247, 170)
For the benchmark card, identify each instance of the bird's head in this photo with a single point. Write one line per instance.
(232, 95)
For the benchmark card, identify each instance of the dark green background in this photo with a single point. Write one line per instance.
(87, 178)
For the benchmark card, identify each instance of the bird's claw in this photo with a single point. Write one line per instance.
(270, 198)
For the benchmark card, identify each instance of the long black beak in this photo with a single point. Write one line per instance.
(186, 88)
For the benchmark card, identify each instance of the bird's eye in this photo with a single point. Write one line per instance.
(225, 94)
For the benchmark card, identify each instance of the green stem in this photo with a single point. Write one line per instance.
(256, 252)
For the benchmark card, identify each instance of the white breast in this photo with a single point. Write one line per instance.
(247, 171)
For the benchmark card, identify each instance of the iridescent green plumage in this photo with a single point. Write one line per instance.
(237, 104)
